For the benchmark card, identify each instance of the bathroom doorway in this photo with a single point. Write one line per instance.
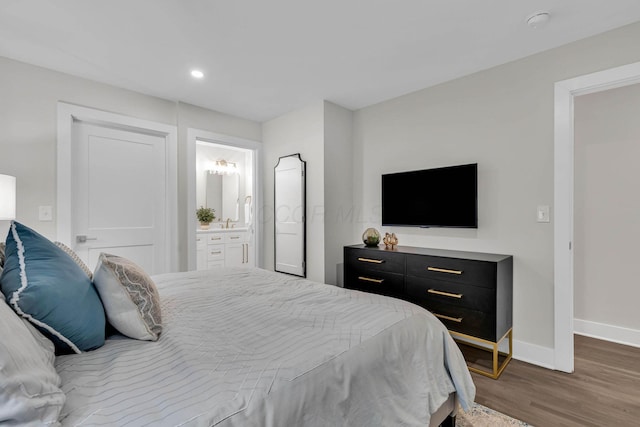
(224, 176)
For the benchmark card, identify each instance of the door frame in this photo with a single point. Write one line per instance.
(565, 93)
(193, 135)
(67, 114)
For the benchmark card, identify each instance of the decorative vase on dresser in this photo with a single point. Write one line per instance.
(470, 292)
(224, 247)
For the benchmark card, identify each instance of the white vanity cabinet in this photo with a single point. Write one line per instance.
(224, 248)
(201, 251)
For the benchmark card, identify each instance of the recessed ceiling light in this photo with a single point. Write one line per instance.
(538, 19)
(197, 74)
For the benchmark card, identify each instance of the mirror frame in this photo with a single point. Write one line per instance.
(281, 263)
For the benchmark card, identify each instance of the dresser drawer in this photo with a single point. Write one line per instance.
(472, 272)
(215, 252)
(378, 282)
(453, 293)
(374, 260)
(469, 322)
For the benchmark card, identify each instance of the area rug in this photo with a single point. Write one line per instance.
(481, 416)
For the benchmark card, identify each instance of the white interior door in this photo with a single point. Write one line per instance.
(119, 195)
(290, 216)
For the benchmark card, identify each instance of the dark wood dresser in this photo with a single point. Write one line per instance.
(470, 292)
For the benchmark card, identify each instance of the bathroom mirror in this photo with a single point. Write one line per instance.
(289, 215)
(222, 195)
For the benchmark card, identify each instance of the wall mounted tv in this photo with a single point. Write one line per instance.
(441, 197)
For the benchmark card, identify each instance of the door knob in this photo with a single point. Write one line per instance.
(82, 238)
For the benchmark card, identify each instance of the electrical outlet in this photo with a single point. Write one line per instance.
(45, 213)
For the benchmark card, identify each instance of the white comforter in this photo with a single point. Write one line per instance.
(248, 347)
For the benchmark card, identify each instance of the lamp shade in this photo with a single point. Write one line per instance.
(7, 197)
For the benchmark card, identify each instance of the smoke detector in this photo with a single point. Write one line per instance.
(539, 19)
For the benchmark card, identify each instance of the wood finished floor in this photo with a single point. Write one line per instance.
(604, 390)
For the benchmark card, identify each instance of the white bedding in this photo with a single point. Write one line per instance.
(248, 347)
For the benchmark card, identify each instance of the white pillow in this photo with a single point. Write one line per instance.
(29, 384)
(129, 297)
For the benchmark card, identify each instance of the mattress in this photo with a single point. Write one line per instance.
(249, 347)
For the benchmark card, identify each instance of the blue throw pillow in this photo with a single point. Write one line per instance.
(45, 286)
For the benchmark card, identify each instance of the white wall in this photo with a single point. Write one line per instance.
(28, 119)
(607, 212)
(338, 189)
(501, 118)
(300, 131)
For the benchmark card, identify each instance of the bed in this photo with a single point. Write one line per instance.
(248, 347)
(225, 347)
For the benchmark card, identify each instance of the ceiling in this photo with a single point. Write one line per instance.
(263, 58)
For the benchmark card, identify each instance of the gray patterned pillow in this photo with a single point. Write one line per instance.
(2, 249)
(75, 258)
(129, 296)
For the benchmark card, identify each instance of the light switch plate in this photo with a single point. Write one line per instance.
(543, 213)
(45, 213)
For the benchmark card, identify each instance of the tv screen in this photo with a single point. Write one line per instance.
(441, 197)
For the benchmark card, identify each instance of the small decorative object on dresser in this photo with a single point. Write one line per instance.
(390, 240)
(470, 292)
(371, 237)
(205, 216)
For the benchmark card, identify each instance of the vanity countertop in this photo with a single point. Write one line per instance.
(216, 229)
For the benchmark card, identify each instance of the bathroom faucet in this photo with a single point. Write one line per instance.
(228, 219)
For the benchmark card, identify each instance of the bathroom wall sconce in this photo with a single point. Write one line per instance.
(222, 167)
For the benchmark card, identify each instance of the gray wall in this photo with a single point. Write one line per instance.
(607, 207)
(338, 194)
(501, 118)
(28, 119)
(300, 131)
(321, 133)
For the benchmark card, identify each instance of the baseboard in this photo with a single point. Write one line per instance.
(545, 356)
(534, 354)
(606, 332)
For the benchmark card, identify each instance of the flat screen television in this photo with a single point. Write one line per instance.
(440, 197)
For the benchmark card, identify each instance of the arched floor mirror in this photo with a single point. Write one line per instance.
(289, 213)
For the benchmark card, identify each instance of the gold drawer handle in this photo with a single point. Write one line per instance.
(374, 261)
(216, 238)
(369, 279)
(216, 252)
(453, 319)
(236, 237)
(444, 270)
(444, 294)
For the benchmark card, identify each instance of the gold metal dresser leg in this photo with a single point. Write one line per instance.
(491, 346)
